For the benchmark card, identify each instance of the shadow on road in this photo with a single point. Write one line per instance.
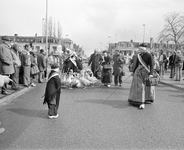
(29, 112)
(119, 104)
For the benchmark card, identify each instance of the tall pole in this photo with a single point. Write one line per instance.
(144, 32)
(42, 29)
(46, 22)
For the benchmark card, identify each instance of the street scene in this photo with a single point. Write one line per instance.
(104, 75)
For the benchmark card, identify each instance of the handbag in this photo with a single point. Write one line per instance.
(154, 80)
(34, 70)
(122, 73)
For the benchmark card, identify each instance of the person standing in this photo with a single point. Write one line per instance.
(107, 70)
(140, 94)
(41, 60)
(6, 61)
(162, 59)
(26, 64)
(17, 63)
(53, 91)
(178, 65)
(118, 68)
(171, 64)
(95, 61)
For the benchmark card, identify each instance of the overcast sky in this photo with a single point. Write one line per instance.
(89, 22)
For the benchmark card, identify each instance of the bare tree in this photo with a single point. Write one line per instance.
(50, 27)
(59, 31)
(173, 29)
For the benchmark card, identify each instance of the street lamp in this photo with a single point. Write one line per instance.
(46, 28)
(143, 32)
(43, 28)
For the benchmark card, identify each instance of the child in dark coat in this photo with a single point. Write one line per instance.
(53, 91)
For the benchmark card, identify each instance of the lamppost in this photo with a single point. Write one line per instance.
(46, 22)
(43, 28)
(109, 41)
(143, 32)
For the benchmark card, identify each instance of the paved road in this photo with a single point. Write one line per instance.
(94, 118)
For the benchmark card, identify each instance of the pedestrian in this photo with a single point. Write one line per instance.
(16, 63)
(16, 50)
(26, 64)
(6, 61)
(41, 60)
(95, 62)
(118, 71)
(140, 93)
(52, 92)
(107, 69)
(3, 80)
(178, 65)
(171, 64)
(34, 68)
(162, 59)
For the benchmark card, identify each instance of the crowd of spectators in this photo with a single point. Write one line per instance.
(22, 65)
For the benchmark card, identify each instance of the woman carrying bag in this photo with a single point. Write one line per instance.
(140, 93)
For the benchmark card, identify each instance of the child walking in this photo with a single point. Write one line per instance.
(53, 91)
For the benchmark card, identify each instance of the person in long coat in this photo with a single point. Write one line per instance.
(53, 91)
(95, 61)
(26, 64)
(141, 94)
(6, 61)
(107, 70)
(118, 69)
(41, 61)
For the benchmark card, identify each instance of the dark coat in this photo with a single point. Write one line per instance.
(148, 59)
(94, 61)
(53, 89)
(41, 61)
(6, 60)
(118, 65)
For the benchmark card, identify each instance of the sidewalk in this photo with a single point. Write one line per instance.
(171, 82)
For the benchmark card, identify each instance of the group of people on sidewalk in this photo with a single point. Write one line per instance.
(21, 65)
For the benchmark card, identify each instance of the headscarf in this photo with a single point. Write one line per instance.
(142, 49)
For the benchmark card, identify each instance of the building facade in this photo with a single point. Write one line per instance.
(39, 42)
(128, 48)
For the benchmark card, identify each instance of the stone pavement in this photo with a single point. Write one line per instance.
(165, 80)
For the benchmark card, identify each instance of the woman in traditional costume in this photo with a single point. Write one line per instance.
(107, 70)
(140, 94)
(53, 91)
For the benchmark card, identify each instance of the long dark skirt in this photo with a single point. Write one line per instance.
(106, 76)
(52, 110)
(139, 92)
(54, 105)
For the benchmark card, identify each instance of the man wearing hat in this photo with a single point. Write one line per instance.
(53, 91)
(6, 60)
